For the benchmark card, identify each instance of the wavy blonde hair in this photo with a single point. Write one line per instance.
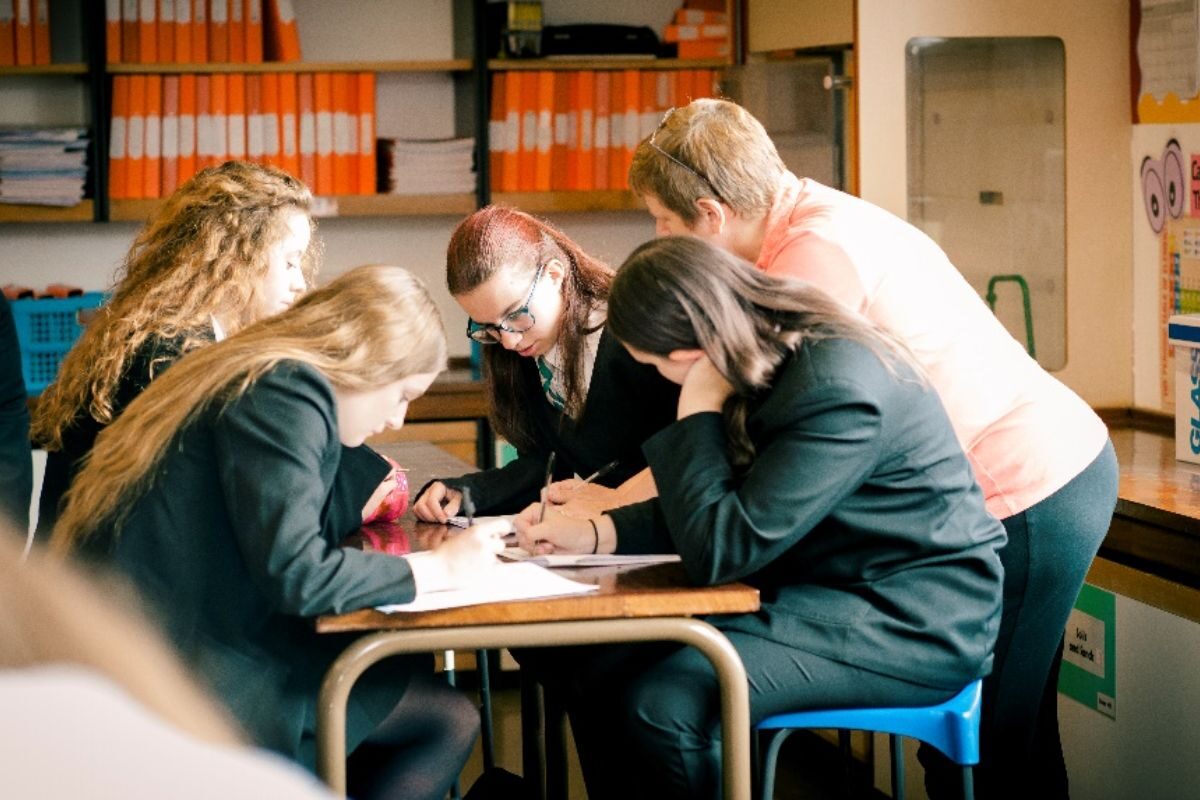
(204, 253)
(370, 327)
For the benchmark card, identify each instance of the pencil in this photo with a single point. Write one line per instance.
(546, 488)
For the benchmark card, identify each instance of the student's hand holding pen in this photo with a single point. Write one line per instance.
(559, 533)
(438, 503)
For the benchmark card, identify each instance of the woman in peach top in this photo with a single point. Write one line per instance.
(1041, 455)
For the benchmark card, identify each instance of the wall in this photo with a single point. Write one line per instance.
(1096, 37)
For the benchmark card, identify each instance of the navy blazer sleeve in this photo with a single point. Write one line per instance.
(16, 464)
(270, 446)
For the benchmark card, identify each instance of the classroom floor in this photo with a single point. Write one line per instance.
(809, 766)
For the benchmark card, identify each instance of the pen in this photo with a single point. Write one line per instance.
(600, 473)
(468, 508)
(546, 488)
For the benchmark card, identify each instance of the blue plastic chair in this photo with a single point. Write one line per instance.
(952, 727)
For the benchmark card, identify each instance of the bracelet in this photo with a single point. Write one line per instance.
(595, 536)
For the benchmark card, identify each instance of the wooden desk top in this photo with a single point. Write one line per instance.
(654, 591)
(1155, 487)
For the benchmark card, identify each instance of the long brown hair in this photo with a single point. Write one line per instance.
(496, 238)
(367, 328)
(682, 293)
(203, 254)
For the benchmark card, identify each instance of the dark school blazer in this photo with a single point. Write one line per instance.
(16, 463)
(626, 403)
(362, 469)
(228, 547)
(859, 520)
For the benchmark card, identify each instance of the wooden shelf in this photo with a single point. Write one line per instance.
(451, 65)
(605, 62)
(548, 202)
(31, 213)
(375, 205)
(44, 69)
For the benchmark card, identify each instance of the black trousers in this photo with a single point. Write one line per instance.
(1050, 548)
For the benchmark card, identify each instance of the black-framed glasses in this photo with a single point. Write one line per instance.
(518, 321)
(677, 160)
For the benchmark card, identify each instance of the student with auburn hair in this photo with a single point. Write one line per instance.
(1041, 455)
(557, 382)
(810, 459)
(208, 492)
(231, 246)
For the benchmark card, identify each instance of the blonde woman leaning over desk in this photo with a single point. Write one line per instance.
(208, 493)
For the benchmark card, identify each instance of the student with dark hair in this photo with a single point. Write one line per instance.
(811, 459)
(16, 462)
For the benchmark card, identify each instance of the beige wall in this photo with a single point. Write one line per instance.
(1095, 34)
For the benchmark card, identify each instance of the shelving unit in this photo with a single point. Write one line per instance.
(471, 69)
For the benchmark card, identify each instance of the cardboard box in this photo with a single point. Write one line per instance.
(1183, 332)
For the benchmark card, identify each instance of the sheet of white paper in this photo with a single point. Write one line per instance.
(507, 582)
(586, 559)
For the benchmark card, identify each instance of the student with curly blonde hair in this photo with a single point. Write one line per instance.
(233, 245)
(208, 493)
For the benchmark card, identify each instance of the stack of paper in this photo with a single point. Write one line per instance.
(507, 582)
(427, 166)
(43, 166)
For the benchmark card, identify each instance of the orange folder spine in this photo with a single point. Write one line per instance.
(698, 16)
(135, 139)
(510, 168)
(562, 130)
(323, 110)
(648, 110)
(254, 31)
(218, 31)
(527, 151)
(345, 133)
(129, 31)
(152, 175)
(496, 138)
(112, 32)
(218, 101)
(166, 32)
(587, 130)
(704, 48)
(147, 28)
(633, 123)
(170, 135)
(41, 31)
(269, 86)
(366, 133)
(183, 31)
(187, 127)
(307, 128)
(235, 117)
(118, 163)
(603, 133)
(289, 145)
(204, 122)
(282, 39)
(684, 93)
(23, 10)
(237, 32)
(8, 33)
(254, 119)
(570, 178)
(545, 131)
(199, 31)
(616, 130)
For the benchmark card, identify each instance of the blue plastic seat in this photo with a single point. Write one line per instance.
(952, 727)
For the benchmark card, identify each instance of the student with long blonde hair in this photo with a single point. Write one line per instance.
(556, 381)
(810, 459)
(209, 489)
(231, 246)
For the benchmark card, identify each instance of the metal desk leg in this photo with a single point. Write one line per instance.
(359, 656)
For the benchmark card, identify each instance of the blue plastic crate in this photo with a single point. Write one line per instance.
(46, 330)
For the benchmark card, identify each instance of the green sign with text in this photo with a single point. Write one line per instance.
(1089, 668)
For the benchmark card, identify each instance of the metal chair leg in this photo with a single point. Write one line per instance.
(968, 776)
(770, 760)
(451, 678)
(897, 766)
(533, 756)
(487, 732)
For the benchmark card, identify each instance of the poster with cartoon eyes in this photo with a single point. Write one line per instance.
(1166, 257)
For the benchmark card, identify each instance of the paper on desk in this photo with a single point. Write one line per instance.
(585, 559)
(507, 582)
